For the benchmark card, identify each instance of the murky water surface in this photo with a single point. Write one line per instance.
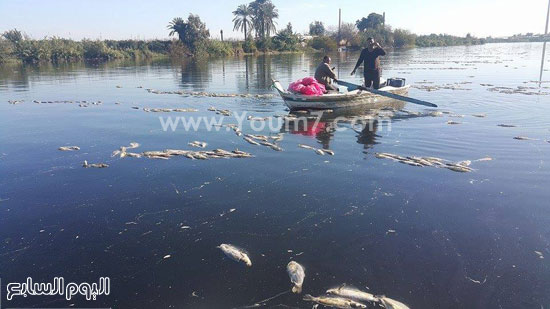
(429, 237)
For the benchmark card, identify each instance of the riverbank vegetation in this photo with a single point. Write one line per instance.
(191, 38)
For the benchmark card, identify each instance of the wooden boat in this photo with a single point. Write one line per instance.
(351, 98)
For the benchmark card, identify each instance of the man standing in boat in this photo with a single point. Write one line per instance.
(324, 74)
(371, 63)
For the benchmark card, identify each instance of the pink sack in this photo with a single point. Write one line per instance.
(307, 86)
(308, 81)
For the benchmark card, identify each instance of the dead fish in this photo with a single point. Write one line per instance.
(485, 159)
(330, 152)
(464, 163)
(350, 292)
(523, 138)
(133, 155)
(453, 122)
(96, 165)
(297, 275)
(335, 302)
(277, 138)
(198, 144)
(257, 137)
(320, 152)
(458, 168)
(133, 145)
(506, 125)
(305, 146)
(389, 303)
(275, 147)
(251, 141)
(410, 162)
(69, 148)
(479, 115)
(235, 254)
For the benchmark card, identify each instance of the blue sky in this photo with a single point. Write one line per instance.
(137, 19)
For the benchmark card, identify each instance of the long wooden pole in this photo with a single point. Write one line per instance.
(544, 45)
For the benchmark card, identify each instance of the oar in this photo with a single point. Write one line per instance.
(386, 94)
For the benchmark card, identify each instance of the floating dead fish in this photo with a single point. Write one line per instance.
(133, 155)
(69, 148)
(198, 144)
(133, 145)
(305, 146)
(353, 293)
(330, 152)
(453, 122)
(479, 115)
(251, 141)
(458, 168)
(464, 163)
(95, 165)
(462, 166)
(252, 118)
(335, 302)
(271, 145)
(506, 125)
(320, 152)
(539, 254)
(297, 276)
(389, 303)
(485, 159)
(235, 254)
(523, 138)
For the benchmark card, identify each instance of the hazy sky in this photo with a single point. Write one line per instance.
(140, 19)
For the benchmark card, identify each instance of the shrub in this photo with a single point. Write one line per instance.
(403, 38)
(324, 43)
(249, 46)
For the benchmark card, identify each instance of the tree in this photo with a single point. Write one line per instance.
(286, 39)
(403, 38)
(191, 32)
(14, 36)
(243, 19)
(317, 28)
(264, 15)
(373, 21)
(177, 25)
(347, 32)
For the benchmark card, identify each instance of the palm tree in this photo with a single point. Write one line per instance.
(270, 13)
(177, 25)
(264, 13)
(243, 19)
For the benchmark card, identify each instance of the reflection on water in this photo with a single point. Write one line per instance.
(429, 237)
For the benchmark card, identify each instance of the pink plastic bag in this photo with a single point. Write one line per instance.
(307, 86)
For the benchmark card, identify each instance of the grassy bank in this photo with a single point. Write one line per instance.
(15, 47)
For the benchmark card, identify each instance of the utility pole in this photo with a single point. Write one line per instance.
(544, 45)
(339, 23)
(384, 20)
(221, 33)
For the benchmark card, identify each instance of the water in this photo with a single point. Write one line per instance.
(463, 240)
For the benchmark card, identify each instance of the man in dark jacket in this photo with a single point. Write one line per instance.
(371, 65)
(324, 74)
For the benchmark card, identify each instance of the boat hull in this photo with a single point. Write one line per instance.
(338, 100)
